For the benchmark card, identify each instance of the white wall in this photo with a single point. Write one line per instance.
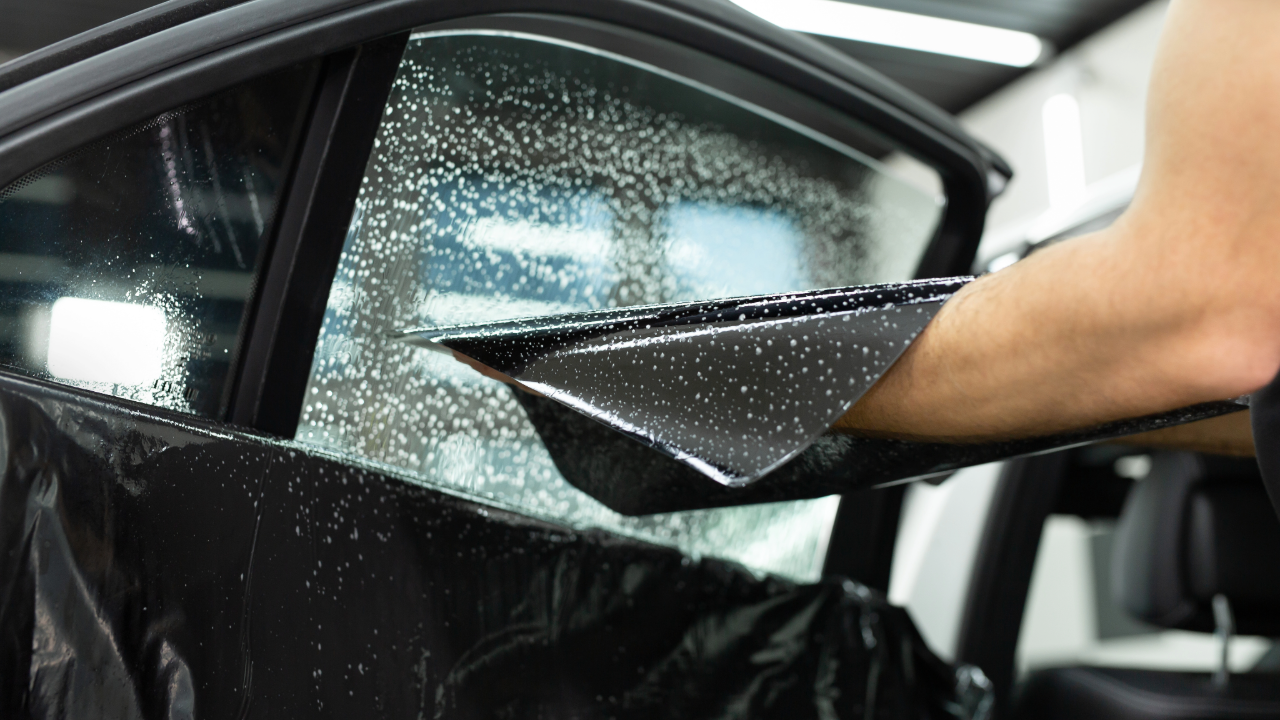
(937, 543)
(1107, 74)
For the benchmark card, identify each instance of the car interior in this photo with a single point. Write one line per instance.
(1193, 541)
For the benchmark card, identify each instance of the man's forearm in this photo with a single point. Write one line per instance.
(1034, 349)
(1071, 337)
(1178, 303)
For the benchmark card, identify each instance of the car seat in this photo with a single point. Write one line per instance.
(1197, 548)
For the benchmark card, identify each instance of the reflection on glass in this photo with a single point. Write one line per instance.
(125, 267)
(515, 177)
(726, 250)
(106, 342)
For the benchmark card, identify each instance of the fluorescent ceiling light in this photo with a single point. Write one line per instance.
(100, 341)
(899, 29)
(1063, 151)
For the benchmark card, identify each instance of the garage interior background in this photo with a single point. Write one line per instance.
(1071, 124)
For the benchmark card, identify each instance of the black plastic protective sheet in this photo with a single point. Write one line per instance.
(158, 570)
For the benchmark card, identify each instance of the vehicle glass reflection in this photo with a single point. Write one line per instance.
(126, 266)
(516, 177)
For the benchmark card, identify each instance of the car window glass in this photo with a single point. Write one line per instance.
(515, 176)
(126, 266)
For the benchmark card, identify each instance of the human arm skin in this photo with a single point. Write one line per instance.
(1177, 303)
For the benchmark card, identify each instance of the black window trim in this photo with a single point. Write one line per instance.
(105, 37)
(265, 16)
(310, 234)
(1000, 579)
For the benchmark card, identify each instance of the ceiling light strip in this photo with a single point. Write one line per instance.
(900, 29)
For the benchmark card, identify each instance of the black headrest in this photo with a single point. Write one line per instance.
(1196, 527)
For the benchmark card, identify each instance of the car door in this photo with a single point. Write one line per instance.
(227, 490)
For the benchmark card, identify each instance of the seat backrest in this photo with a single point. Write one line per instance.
(1194, 528)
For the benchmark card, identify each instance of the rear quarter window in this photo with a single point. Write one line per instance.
(127, 266)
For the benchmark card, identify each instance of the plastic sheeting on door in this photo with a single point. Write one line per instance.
(157, 570)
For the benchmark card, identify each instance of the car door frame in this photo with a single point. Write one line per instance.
(139, 68)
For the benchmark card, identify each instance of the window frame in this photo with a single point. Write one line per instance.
(1000, 578)
(269, 395)
(140, 67)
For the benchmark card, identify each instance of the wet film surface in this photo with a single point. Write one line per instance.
(732, 388)
(151, 569)
(517, 177)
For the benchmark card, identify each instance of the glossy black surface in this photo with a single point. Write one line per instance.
(1264, 416)
(731, 388)
(203, 604)
(632, 479)
(102, 38)
(1131, 694)
(154, 569)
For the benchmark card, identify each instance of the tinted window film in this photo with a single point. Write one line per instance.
(515, 177)
(126, 266)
